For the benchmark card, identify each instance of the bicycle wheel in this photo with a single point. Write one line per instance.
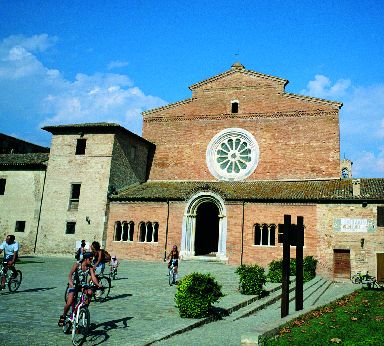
(80, 326)
(356, 279)
(14, 283)
(102, 295)
(171, 277)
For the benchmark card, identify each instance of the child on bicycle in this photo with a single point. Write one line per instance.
(173, 257)
(78, 278)
(113, 264)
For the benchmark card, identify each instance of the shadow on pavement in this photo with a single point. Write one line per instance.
(120, 296)
(99, 332)
(39, 289)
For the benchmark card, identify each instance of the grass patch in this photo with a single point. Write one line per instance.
(356, 319)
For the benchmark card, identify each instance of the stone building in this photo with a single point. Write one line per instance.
(214, 174)
(230, 162)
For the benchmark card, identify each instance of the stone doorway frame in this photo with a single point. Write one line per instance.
(187, 248)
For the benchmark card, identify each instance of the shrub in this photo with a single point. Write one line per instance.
(195, 295)
(252, 279)
(309, 268)
(275, 273)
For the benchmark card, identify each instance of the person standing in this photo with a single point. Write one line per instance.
(11, 249)
(98, 262)
(80, 251)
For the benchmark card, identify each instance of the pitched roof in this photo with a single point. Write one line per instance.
(24, 160)
(311, 190)
(239, 68)
(103, 127)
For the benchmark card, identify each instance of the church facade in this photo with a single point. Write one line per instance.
(213, 174)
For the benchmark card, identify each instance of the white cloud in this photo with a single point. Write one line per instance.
(117, 64)
(361, 122)
(32, 95)
(322, 87)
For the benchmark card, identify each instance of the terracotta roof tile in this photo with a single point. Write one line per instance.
(325, 190)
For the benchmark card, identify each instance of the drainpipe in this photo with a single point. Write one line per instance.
(166, 233)
(41, 204)
(242, 237)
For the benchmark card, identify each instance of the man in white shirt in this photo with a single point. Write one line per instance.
(10, 248)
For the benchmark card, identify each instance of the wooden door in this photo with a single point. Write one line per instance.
(341, 264)
(380, 266)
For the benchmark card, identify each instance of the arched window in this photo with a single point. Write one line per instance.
(149, 232)
(264, 234)
(155, 232)
(143, 231)
(125, 231)
(257, 234)
(235, 106)
(131, 230)
(117, 236)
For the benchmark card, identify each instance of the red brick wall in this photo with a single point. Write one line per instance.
(298, 137)
(253, 213)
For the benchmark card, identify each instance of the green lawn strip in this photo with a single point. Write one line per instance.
(356, 319)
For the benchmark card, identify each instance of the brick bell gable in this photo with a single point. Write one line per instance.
(298, 136)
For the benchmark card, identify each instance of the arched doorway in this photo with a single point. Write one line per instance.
(207, 229)
(204, 222)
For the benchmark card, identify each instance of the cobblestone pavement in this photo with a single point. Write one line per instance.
(140, 310)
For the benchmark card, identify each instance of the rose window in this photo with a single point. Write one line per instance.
(232, 154)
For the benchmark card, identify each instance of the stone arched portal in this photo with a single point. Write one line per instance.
(200, 204)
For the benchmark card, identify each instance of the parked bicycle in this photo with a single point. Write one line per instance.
(98, 295)
(359, 278)
(78, 321)
(13, 282)
(172, 273)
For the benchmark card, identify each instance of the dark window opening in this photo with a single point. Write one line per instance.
(118, 231)
(71, 228)
(380, 216)
(125, 231)
(2, 186)
(131, 229)
(75, 196)
(155, 232)
(80, 146)
(235, 107)
(20, 226)
(142, 232)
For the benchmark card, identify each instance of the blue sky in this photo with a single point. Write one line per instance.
(89, 61)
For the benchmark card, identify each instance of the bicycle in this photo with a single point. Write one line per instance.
(102, 295)
(358, 278)
(78, 320)
(12, 282)
(172, 273)
(112, 272)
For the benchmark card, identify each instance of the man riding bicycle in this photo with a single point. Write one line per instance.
(10, 248)
(79, 277)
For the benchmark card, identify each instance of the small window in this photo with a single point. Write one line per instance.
(117, 231)
(2, 186)
(71, 228)
(80, 146)
(380, 216)
(264, 234)
(235, 107)
(20, 226)
(75, 196)
(345, 173)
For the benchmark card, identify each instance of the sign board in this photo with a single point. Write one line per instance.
(353, 225)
